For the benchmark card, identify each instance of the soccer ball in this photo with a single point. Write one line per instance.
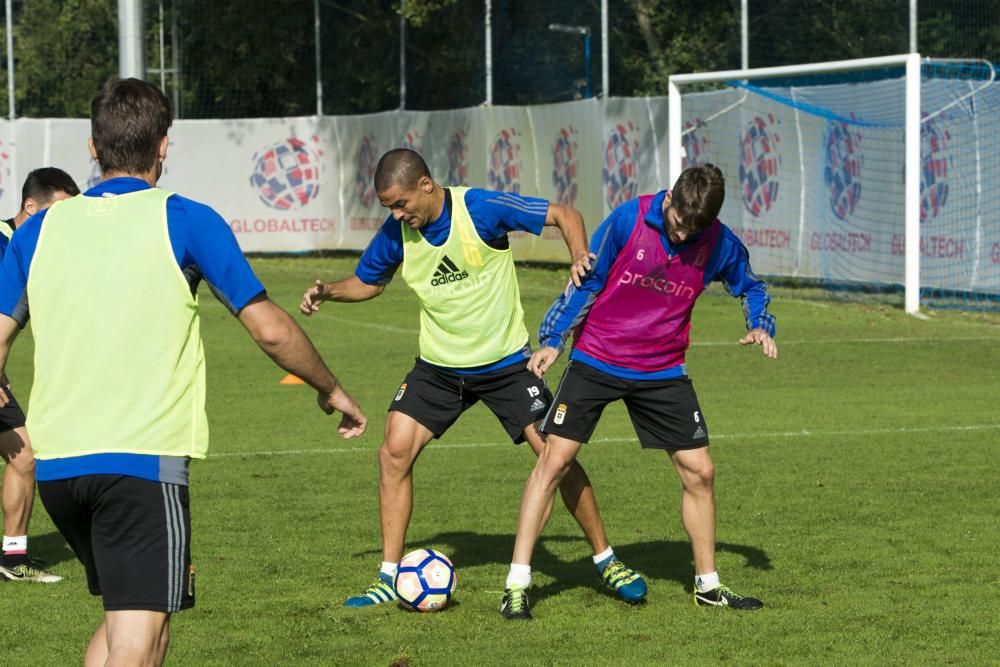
(425, 580)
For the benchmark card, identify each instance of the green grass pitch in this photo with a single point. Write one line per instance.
(856, 490)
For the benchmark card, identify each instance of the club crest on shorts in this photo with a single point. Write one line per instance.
(560, 414)
(402, 390)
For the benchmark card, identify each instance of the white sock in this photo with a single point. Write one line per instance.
(389, 568)
(604, 555)
(706, 582)
(17, 544)
(519, 576)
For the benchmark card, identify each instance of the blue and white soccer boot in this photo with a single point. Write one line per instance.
(623, 580)
(380, 591)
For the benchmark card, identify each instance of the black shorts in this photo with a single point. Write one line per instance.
(132, 535)
(11, 415)
(665, 413)
(435, 397)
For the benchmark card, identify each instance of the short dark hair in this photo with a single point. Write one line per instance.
(401, 167)
(42, 184)
(128, 119)
(697, 196)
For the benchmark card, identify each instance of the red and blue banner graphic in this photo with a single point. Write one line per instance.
(564, 165)
(458, 158)
(286, 174)
(505, 162)
(694, 144)
(365, 161)
(935, 163)
(759, 163)
(842, 169)
(621, 170)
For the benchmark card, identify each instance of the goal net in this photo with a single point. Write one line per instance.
(828, 185)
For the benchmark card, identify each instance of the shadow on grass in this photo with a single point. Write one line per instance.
(51, 548)
(668, 560)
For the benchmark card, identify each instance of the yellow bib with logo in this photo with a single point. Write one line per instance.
(470, 304)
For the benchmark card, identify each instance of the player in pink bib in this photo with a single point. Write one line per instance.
(654, 256)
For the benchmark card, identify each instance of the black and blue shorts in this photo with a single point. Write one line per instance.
(11, 415)
(435, 397)
(664, 413)
(132, 535)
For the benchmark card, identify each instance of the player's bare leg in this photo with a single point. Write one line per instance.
(132, 637)
(18, 480)
(697, 474)
(17, 499)
(577, 494)
(402, 443)
(554, 463)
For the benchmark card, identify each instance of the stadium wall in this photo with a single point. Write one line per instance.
(303, 184)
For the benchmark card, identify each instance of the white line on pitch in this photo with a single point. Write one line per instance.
(723, 436)
(716, 343)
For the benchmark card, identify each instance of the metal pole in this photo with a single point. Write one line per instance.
(489, 54)
(319, 68)
(744, 35)
(911, 245)
(175, 60)
(10, 59)
(586, 59)
(402, 55)
(131, 54)
(913, 26)
(605, 81)
(163, 74)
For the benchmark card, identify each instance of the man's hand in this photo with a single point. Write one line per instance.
(581, 267)
(762, 338)
(4, 396)
(354, 422)
(542, 360)
(313, 297)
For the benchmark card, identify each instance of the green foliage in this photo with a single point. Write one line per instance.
(65, 50)
(855, 488)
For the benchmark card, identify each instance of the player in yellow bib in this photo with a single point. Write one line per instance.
(453, 248)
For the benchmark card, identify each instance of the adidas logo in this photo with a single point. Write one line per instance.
(700, 433)
(448, 272)
(537, 405)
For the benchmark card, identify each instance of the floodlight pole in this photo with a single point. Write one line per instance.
(10, 59)
(745, 35)
(578, 30)
(317, 25)
(402, 55)
(605, 78)
(488, 27)
(131, 54)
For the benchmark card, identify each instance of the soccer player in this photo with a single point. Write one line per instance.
(42, 188)
(655, 255)
(453, 247)
(117, 408)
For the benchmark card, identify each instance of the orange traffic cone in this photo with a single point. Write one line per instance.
(292, 379)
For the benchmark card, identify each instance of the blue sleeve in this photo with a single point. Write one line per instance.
(496, 213)
(730, 264)
(201, 239)
(383, 255)
(14, 272)
(572, 306)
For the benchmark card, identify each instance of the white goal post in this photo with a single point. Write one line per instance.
(912, 64)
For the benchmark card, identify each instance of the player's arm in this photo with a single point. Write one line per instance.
(281, 338)
(571, 307)
(348, 290)
(574, 233)
(740, 281)
(375, 270)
